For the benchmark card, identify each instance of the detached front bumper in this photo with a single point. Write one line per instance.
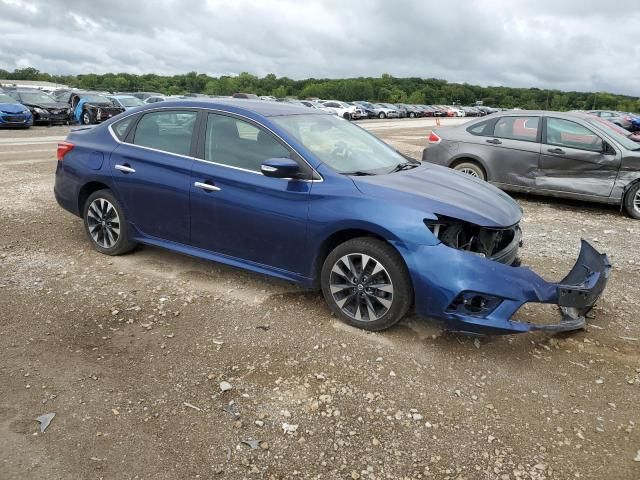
(477, 295)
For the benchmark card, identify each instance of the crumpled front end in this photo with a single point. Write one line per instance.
(478, 295)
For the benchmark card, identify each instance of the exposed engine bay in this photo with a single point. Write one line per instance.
(499, 244)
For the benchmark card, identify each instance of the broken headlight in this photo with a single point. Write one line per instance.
(461, 235)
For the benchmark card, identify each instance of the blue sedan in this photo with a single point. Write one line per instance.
(13, 113)
(305, 196)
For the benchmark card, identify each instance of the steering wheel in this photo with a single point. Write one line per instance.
(341, 149)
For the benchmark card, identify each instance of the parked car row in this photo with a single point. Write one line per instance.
(68, 106)
(362, 109)
(628, 121)
(43, 108)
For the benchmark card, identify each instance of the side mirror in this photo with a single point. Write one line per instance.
(607, 149)
(280, 168)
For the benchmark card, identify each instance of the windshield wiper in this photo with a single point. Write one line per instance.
(358, 173)
(404, 166)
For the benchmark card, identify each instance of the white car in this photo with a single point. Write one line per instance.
(343, 109)
(155, 99)
(312, 104)
(458, 111)
(386, 112)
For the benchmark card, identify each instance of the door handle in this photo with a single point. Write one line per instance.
(558, 151)
(125, 168)
(206, 186)
(494, 141)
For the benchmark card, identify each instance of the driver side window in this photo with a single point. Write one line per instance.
(565, 133)
(236, 143)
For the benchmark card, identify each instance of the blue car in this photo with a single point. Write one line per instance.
(14, 114)
(305, 196)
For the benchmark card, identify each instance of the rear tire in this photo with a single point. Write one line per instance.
(472, 169)
(632, 201)
(106, 224)
(366, 284)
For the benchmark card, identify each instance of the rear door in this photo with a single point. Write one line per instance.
(575, 159)
(510, 148)
(151, 170)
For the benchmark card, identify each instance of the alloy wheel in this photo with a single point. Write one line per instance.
(469, 171)
(361, 287)
(636, 202)
(103, 223)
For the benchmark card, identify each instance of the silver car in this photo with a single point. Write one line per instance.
(568, 155)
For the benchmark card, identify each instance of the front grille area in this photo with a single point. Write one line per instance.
(14, 118)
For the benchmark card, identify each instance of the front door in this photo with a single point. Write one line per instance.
(237, 211)
(574, 159)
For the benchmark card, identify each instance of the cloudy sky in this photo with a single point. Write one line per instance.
(591, 45)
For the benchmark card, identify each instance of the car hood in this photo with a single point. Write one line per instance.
(443, 191)
(49, 106)
(12, 108)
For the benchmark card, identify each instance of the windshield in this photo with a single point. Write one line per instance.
(4, 98)
(95, 99)
(619, 135)
(130, 101)
(341, 145)
(36, 97)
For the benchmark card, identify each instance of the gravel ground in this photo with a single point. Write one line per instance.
(160, 366)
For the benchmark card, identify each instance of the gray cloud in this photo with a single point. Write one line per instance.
(571, 44)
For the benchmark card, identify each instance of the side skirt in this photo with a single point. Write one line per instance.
(304, 282)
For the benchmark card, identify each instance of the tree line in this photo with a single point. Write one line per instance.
(380, 89)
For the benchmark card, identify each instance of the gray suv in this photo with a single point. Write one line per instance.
(548, 153)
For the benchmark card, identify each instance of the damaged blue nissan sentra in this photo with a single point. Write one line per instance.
(308, 197)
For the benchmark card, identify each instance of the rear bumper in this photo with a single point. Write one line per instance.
(481, 296)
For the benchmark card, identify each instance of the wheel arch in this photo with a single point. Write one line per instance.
(626, 191)
(338, 237)
(87, 189)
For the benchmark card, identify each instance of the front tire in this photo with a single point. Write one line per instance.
(412, 115)
(366, 284)
(87, 118)
(382, 115)
(472, 169)
(632, 201)
(106, 225)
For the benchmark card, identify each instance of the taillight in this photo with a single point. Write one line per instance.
(63, 149)
(434, 138)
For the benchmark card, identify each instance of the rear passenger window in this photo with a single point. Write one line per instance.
(239, 144)
(169, 131)
(482, 128)
(517, 128)
(120, 128)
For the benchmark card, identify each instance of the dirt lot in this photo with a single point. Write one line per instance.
(129, 353)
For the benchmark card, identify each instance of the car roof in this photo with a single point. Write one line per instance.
(264, 108)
